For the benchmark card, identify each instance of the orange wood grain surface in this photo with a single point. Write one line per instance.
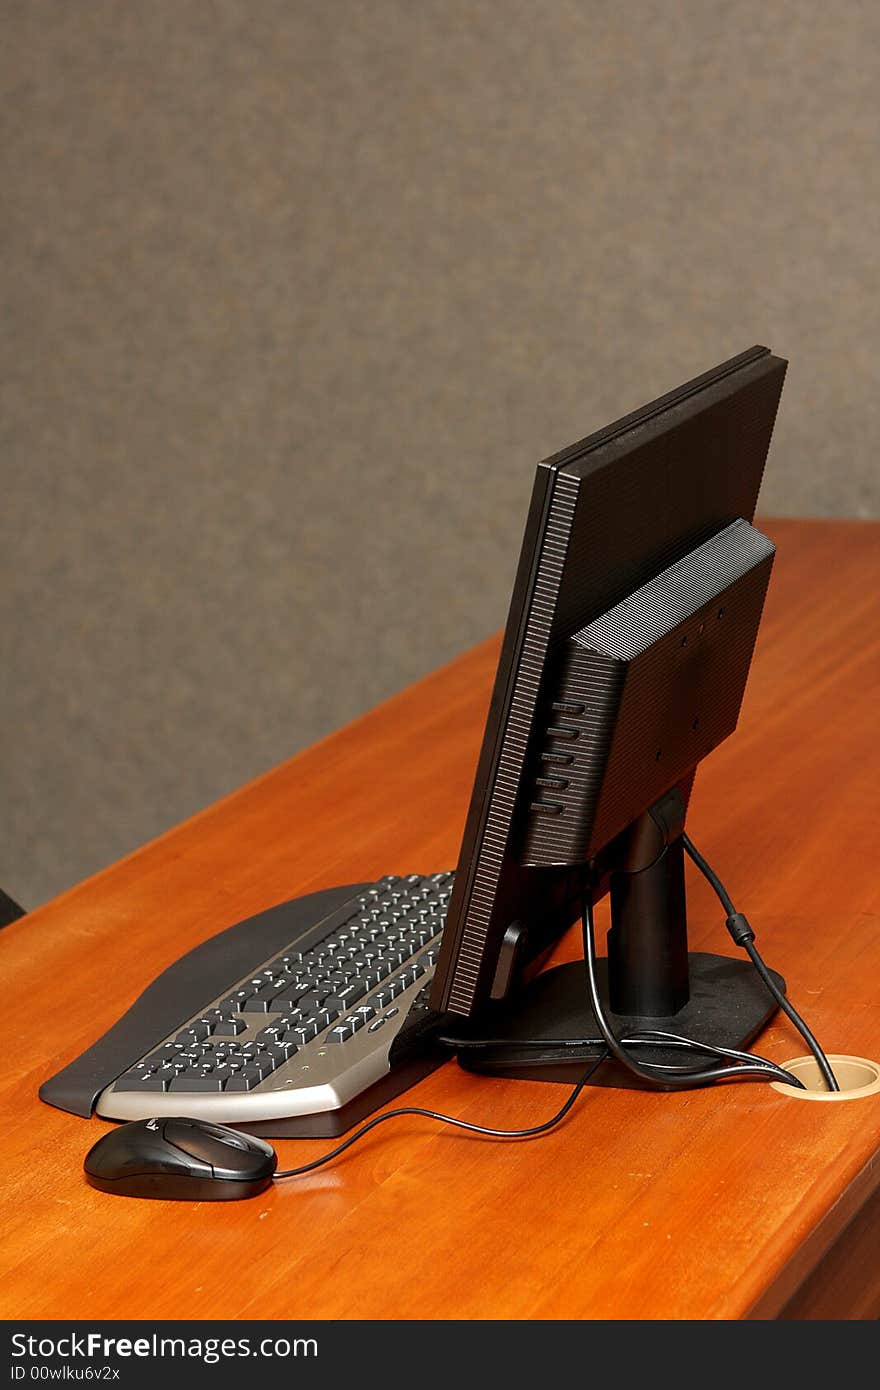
(711, 1204)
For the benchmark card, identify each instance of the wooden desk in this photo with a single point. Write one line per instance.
(725, 1203)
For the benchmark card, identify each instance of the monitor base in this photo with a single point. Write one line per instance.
(728, 1007)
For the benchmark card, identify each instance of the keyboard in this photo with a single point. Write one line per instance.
(316, 1035)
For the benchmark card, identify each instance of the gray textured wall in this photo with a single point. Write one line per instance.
(295, 294)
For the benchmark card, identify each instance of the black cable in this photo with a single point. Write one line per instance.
(683, 1079)
(742, 933)
(709, 874)
(645, 1038)
(791, 1012)
(530, 1133)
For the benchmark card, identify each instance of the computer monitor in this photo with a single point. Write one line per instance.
(634, 613)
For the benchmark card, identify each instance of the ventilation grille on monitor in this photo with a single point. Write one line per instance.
(471, 953)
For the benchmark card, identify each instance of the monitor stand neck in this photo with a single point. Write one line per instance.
(647, 943)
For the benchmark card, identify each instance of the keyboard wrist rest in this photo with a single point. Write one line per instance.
(188, 985)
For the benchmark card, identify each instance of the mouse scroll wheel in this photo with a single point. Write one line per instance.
(223, 1136)
(233, 1141)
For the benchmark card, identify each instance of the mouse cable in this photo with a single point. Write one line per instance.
(759, 1067)
(744, 936)
(530, 1133)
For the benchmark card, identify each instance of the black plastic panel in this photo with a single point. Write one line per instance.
(643, 693)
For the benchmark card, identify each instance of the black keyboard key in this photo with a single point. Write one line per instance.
(282, 1003)
(201, 1081)
(220, 1071)
(394, 956)
(273, 1031)
(303, 1032)
(341, 1033)
(142, 1081)
(229, 1028)
(381, 998)
(262, 977)
(234, 1001)
(311, 1002)
(169, 1072)
(259, 1003)
(343, 972)
(194, 1033)
(335, 979)
(346, 996)
(259, 1066)
(289, 1018)
(410, 919)
(245, 1080)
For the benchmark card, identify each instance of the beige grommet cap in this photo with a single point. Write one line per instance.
(857, 1077)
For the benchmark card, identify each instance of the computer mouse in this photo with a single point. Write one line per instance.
(180, 1160)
